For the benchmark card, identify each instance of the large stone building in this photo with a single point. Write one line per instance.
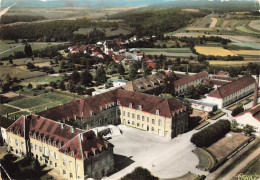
(231, 92)
(151, 84)
(163, 117)
(72, 153)
(183, 83)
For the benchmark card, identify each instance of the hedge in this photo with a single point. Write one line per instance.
(211, 134)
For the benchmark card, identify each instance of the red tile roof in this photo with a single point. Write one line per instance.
(223, 78)
(189, 79)
(222, 73)
(44, 127)
(232, 87)
(216, 82)
(82, 108)
(85, 145)
(118, 58)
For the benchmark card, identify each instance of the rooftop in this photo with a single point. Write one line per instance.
(187, 79)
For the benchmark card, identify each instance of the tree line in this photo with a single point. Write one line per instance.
(7, 19)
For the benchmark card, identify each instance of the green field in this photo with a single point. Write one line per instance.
(30, 102)
(4, 46)
(41, 80)
(220, 22)
(6, 109)
(244, 45)
(15, 116)
(246, 30)
(58, 98)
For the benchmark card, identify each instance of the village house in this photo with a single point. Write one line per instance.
(184, 82)
(250, 117)
(231, 92)
(72, 153)
(151, 84)
(164, 117)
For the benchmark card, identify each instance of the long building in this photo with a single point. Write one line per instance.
(231, 92)
(183, 83)
(72, 153)
(163, 117)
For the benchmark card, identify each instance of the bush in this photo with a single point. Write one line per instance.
(211, 134)
(237, 111)
(140, 174)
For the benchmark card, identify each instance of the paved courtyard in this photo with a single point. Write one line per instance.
(164, 158)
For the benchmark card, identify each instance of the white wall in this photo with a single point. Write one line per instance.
(247, 118)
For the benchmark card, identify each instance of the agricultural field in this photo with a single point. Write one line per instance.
(243, 45)
(169, 52)
(215, 51)
(168, 43)
(41, 80)
(247, 52)
(255, 24)
(20, 72)
(4, 109)
(24, 61)
(228, 63)
(108, 31)
(246, 30)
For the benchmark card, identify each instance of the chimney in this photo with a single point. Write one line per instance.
(256, 89)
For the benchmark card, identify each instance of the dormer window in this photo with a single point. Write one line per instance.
(118, 103)
(59, 145)
(72, 153)
(43, 139)
(140, 107)
(34, 135)
(130, 105)
(39, 137)
(54, 143)
(65, 151)
(157, 112)
(91, 113)
(49, 141)
(100, 108)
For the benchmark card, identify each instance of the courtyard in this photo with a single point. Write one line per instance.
(164, 158)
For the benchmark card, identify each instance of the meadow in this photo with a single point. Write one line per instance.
(215, 51)
(41, 80)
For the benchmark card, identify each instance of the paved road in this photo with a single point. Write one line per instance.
(242, 164)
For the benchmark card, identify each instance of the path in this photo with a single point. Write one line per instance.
(242, 164)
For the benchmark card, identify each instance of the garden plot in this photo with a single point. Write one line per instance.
(30, 102)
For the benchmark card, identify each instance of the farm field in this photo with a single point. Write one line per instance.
(7, 109)
(29, 102)
(41, 80)
(215, 51)
(169, 44)
(228, 63)
(108, 31)
(20, 72)
(24, 61)
(255, 24)
(246, 30)
(169, 52)
(247, 52)
(55, 97)
(244, 45)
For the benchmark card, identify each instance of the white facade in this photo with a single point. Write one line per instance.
(4, 134)
(119, 84)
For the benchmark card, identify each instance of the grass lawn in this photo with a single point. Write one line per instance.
(15, 116)
(30, 102)
(6, 109)
(41, 80)
(55, 97)
(4, 46)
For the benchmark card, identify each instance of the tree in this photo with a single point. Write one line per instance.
(30, 86)
(237, 111)
(248, 129)
(53, 84)
(169, 83)
(62, 85)
(133, 72)
(101, 75)
(30, 65)
(140, 174)
(147, 71)
(75, 77)
(120, 69)
(86, 78)
(28, 50)
(11, 61)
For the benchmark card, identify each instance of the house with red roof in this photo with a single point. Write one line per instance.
(71, 152)
(250, 117)
(149, 62)
(118, 58)
(184, 82)
(164, 117)
(231, 92)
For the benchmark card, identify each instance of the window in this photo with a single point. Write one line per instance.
(147, 119)
(152, 128)
(153, 121)
(49, 141)
(64, 171)
(142, 118)
(78, 168)
(133, 123)
(167, 124)
(159, 122)
(71, 175)
(137, 124)
(40, 148)
(54, 143)
(138, 117)
(140, 107)
(22, 144)
(128, 114)
(123, 113)
(31, 145)
(55, 155)
(130, 105)
(51, 163)
(51, 153)
(36, 147)
(16, 142)
(64, 162)
(56, 164)
(70, 164)
(128, 122)
(79, 177)
(41, 158)
(133, 115)
(157, 112)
